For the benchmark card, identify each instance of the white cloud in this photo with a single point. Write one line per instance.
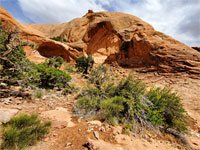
(177, 18)
(173, 17)
(56, 11)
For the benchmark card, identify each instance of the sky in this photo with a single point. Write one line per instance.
(177, 18)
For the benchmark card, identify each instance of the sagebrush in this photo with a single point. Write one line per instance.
(22, 131)
(128, 103)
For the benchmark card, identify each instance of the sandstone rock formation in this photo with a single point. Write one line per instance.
(110, 36)
(114, 36)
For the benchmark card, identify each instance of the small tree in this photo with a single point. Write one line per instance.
(84, 64)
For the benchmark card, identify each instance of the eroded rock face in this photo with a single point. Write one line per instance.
(114, 36)
(110, 36)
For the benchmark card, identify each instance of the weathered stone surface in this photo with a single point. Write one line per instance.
(7, 113)
(109, 37)
(126, 39)
(60, 115)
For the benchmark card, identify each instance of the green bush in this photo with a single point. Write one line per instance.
(113, 107)
(52, 77)
(167, 109)
(84, 64)
(88, 104)
(55, 62)
(23, 130)
(128, 103)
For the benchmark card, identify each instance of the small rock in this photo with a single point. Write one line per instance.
(114, 132)
(7, 114)
(95, 122)
(19, 107)
(44, 97)
(68, 144)
(179, 147)
(96, 134)
(7, 101)
(18, 102)
(90, 129)
(107, 126)
(3, 85)
(19, 98)
(102, 129)
(79, 119)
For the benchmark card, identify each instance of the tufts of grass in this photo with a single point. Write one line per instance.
(22, 131)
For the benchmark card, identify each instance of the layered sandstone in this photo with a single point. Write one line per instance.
(116, 37)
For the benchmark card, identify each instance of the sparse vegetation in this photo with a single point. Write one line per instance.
(58, 38)
(98, 76)
(22, 131)
(129, 104)
(84, 65)
(70, 89)
(55, 62)
(69, 68)
(18, 69)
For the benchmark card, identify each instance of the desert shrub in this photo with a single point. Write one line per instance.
(23, 130)
(58, 38)
(113, 107)
(55, 62)
(130, 88)
(128, 103)
(98, 76)
(16, 67)
(69, 89)
(167, 109)
(52, 77)
(126, 94)
(84, 64)
(38, 94)
(88, 104)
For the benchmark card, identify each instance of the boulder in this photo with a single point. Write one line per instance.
(6, 114)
